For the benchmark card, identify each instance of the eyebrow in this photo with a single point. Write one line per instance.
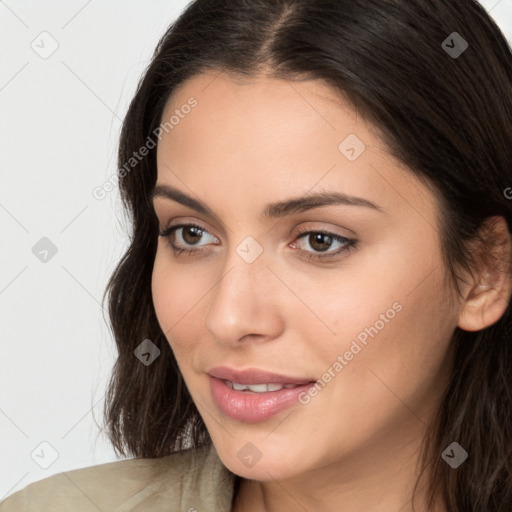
(272, 210)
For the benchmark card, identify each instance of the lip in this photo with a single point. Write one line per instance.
(255, 376)
(252, 407)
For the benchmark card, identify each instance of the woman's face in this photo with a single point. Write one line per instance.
(369, 320)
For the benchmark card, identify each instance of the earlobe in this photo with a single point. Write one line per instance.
(483, 310)
(489, 296)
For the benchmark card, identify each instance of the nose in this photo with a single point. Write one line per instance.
(244, 304)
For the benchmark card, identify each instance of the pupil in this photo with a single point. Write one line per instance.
(195, 237)
(318, 238)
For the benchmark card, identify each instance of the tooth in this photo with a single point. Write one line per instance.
(257, 388)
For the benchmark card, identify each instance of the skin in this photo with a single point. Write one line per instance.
(356, 443)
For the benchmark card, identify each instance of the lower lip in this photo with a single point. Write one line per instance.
(252, 407)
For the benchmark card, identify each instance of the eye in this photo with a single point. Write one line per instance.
(189, 234)
(322, 240)
(319, 241)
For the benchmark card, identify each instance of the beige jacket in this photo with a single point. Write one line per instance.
(188, 481)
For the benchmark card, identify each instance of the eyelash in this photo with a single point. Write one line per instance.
(350, 243)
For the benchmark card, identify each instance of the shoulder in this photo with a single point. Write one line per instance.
(187, 480)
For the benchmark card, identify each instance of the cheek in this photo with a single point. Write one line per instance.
(357, 302)
(392, 324)
(400, 364)
(176, 299)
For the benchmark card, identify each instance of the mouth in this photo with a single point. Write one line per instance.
(259, 388)
(254, 395)
(251, 376)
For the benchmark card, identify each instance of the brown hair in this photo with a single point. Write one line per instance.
(447, 117)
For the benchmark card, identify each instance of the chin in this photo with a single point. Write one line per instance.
(259, 460)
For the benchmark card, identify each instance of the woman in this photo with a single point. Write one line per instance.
(313, 313)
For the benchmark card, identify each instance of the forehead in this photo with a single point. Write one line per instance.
(261, 134)
(271, 102)
(256, 122)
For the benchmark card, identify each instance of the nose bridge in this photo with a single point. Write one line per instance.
(239, 302)
(244, 272)
(244, 267)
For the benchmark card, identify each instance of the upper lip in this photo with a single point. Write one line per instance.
(254, 376)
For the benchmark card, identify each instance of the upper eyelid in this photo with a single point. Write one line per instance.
(348, 243)
(194, 220)
(181, 225)
(202, 229)
(301, 234)
(300, 217)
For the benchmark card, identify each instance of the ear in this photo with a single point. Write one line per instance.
(488, 291)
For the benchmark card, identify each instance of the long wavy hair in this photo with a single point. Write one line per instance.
(447, 117)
